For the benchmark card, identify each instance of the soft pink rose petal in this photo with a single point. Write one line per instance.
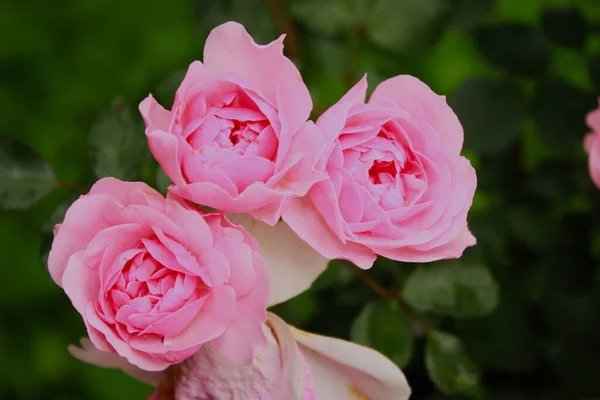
(421, 103)
(292, 265)
(309, 225)
(88, 353)
(344, 370)
(229, 49)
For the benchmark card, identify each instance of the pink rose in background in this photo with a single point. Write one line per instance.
(397, 186)
(156, 279)
(592, 144)
(295, 365)
(237, 137)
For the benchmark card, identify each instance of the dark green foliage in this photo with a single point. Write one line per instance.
(518, 317)
(491, 112)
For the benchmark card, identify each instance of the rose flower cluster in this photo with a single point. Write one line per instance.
(175, 290)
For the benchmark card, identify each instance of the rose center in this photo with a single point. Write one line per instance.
(242, 132)
(382, 171)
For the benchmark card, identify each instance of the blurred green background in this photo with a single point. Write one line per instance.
(517, 318)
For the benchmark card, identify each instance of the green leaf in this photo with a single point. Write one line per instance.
(298, 310)
(565, 26)
(383, 326)
(404, 26)
(490, 112)
(559, 111)
(24, 177)
(514, 48)
(457, 289)
(456, 52)
(118, 143)
(504, 339)
(449, 365)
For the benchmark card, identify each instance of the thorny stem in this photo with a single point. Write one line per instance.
(394, 296)
(284, 22)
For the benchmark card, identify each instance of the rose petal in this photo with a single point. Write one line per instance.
(292, 265)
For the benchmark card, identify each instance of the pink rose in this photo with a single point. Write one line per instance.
(237, 137)
(156, 279)
(296, 365)
(592, 144)
(397, 185)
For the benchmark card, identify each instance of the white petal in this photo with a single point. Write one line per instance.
(292, 264)
(90, 354)
(346, 371)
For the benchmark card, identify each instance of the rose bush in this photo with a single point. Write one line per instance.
(397, 185)
(156, 279)
(592, 145)
(237, 137)
(296, 365)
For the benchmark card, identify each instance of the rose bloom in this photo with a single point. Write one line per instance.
(156, 279)
(397, 185)
(592, 144)
(296, 365)
(237, 137)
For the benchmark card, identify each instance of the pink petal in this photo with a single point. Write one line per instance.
(209, 323)
(81, 283)
(243, 171)
(175, 322)
(301, 215)
(332, 121)
(244, 339)
(217, 266)
(229, 49)
(254, 197)
(292, 265)
(452, 249)
(165, 148)
(137, 358)
(423, 105)
(344, 370)
(83, 220)
(88, 353)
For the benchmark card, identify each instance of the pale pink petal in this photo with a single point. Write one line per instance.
(332, 121)
(244, 339)
(253, 198)
(211, 321)
(230, 49)
(423, 105)
(299, 176)
(344, 370)
(127, 193)
(80, 282)
(243, 171)
(154, 115)
(138, 358)
(292, 384)
(452, 249)
(84, 219)
(88, 353)
(301, 215)
(165, 149)
(292, 265)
